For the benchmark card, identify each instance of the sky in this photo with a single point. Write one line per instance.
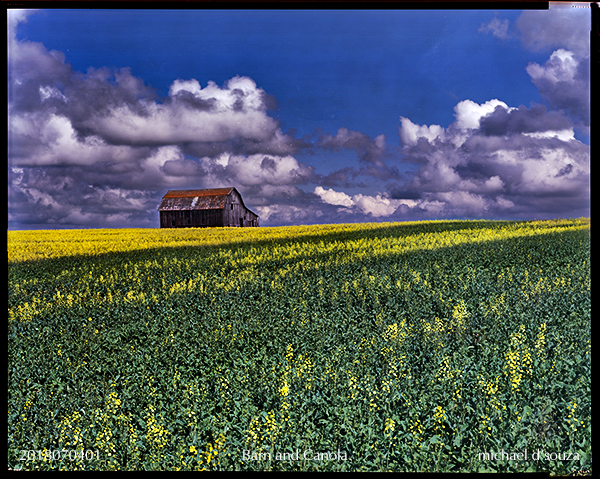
(315, 116)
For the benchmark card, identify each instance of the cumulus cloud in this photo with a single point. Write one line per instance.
(564, 80)
(468, 113)
(190, 115)
(496, 160)
(102, 144)
(254, 170)
(282, 214)
(410, 132)
(564, 83)
(334, 197)
(377, 206)
(507, 121)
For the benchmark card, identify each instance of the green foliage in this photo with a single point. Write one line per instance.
(402, 347)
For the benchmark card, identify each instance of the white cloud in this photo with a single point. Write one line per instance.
(561, 66)
(334, 197)
(468, 113)
(490, 160)
(238, 92)
(256, 170)
(493, 184)
(50, 139)
(563, 135)
(376, 206)
(504, 204)
(464, 202)
(192, 86)
(410, 132)
(162, 124)
(192, 115)
(564, 82)
(285, 214)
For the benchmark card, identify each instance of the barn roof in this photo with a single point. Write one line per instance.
(200, 193)
(205, 199)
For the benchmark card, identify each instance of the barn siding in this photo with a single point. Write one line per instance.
(236, 214)
(191, 218)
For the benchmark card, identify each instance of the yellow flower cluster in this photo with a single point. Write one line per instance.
(354, 387)
(113, 403)
(490, 388)
(518, 359)
(459, 317)
(155, 431)
(485, 425)
(210, 458)
(445, 372)
(439, 416)
(395, 334)
(496, 305)
(572, 421)
(156, 435)
(390, 425)
(416, 429)
(284, 390)
(435, 332)
(70, 431)
(540, 342)
(262, 432)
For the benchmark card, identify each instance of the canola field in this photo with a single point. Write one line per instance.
(422, 346)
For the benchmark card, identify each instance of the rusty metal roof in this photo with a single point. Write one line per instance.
(207, 199)
(199, 193)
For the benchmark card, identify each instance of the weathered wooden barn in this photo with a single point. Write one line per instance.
(204, 208)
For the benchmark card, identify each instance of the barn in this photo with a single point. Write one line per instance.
(204, 208)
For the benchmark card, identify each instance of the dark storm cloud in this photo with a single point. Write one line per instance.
(191, 101)
(369, 150)
(399, 193)
(53, 198)
(504, 121)
(373, 153)
(344, 177)
(183, 168)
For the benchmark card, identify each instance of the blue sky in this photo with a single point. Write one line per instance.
(315, 116)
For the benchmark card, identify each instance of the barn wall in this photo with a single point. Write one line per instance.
(234, 210)
(204, 218)
(236, 214)
(191, 219)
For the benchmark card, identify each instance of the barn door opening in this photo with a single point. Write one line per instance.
(242, 222)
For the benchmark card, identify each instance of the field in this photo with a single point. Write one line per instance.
(425, 346)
